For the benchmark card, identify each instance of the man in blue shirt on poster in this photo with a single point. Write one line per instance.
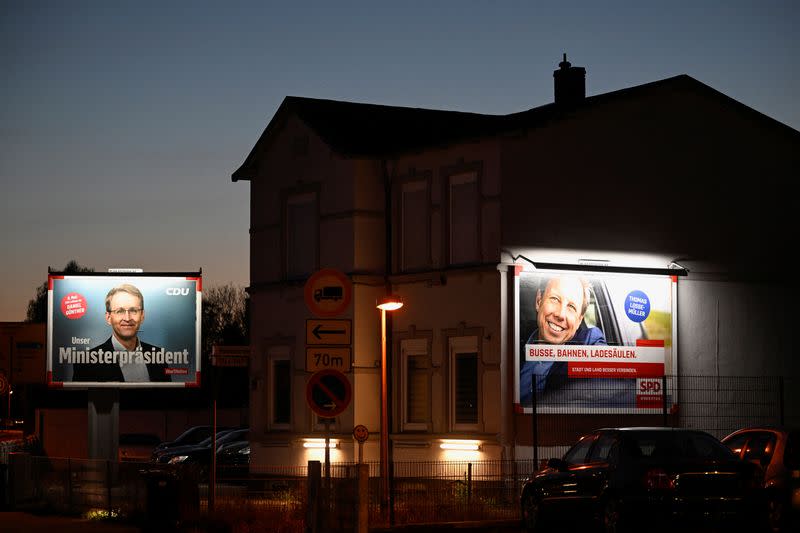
(561, 304)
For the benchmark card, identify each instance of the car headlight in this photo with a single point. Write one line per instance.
(177, 459)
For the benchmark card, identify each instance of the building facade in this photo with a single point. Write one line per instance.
(453, 210)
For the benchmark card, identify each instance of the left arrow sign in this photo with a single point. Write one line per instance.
(330, 332)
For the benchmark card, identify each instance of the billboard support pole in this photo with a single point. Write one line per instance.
(535, 425)
(212, 486)
(103, 413)
(664, 400)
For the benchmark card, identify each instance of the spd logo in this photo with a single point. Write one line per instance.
(178, 291)
(649, 393)
(649, 386)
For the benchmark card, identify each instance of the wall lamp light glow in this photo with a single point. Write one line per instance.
(390, 303)
(460, 444)
(320, 443)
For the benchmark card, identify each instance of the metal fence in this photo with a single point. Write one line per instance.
(421, 492)
(718, 405)
(455, 491)
(29, 443)
(110, 488)
(270, 497)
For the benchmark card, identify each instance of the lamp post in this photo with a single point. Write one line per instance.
(387, 303)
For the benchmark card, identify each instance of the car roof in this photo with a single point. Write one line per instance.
(651, 428)
(777, 429)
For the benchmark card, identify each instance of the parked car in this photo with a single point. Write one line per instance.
(136, 446)
(233, 460)
(201, 454)
(165, 454)
(641, 478)
(193, 435)
(776, 453)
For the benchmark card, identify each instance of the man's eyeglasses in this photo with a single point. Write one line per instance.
(132, 311)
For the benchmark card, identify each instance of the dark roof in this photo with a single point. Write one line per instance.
(368, 130)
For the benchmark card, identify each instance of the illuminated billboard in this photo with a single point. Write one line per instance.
(594, 342)
(131, 330)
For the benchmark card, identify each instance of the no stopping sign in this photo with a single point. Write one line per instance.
(328, 392)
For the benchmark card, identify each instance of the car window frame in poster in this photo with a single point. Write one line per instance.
(614, 360)
(149, 336)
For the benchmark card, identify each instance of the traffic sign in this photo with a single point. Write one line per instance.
(328, 293)
(328, 393)
(230, 356)
(361, 433)
(322, 357)
(330, 331)
(230, 361)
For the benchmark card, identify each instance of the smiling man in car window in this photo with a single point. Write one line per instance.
(123, 357)
(561, 304)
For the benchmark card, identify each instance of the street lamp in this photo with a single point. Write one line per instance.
(387, 303)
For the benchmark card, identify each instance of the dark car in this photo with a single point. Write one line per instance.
(233, 459)
(193, 435)
(776, 453)
(165, 454)
(642, 478)
(200, 454)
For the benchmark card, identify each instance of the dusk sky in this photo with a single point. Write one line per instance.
(121, 122)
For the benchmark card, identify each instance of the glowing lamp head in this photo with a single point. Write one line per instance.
(390, 303)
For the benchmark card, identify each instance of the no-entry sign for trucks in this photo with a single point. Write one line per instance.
(328, 293)
(328, 393)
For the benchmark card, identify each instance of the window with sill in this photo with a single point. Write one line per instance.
(465, 382)
(280, 390)
(301, 234)
(464, 218)
(416, 384)
(414, 225)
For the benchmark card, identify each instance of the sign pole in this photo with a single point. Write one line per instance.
(534, 425)
(384, 449)
(212, 489)
(327, 453)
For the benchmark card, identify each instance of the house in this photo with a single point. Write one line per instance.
(458, 213)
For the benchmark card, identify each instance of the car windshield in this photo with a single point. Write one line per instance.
(193, 435)
(665, 445)
(231, 436)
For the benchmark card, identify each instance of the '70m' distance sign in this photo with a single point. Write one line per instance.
(322, 357)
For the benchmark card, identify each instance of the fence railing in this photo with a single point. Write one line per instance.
(431, 491)
(719, 405)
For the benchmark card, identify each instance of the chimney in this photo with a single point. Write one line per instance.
(570, 83)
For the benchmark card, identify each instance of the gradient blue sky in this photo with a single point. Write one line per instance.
(121, 122)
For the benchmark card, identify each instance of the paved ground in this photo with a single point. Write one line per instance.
(18, 522)
(488, 526)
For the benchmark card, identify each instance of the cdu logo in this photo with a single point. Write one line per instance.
(178, 291)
